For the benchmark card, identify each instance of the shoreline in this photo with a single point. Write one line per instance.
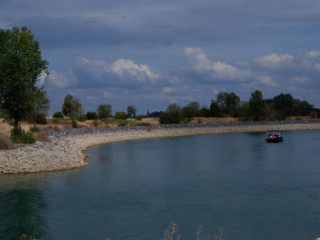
(66, 148)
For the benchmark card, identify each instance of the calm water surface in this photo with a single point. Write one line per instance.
(133, 190)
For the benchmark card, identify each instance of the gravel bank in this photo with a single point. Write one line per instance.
(65, 150)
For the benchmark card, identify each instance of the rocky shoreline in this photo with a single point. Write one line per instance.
(65, 150)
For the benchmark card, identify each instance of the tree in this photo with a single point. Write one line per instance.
(190, 111)
(20, 65)
(172, 115)
(257, 105)
(104, 111)
(72, 108)
(232, 103)
(228, 103)
(131, 110)
(214, 109)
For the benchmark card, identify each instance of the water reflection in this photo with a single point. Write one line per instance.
(21, 207)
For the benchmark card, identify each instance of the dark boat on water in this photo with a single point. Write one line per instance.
(274, 136)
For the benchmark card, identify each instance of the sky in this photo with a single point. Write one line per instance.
(151, 53)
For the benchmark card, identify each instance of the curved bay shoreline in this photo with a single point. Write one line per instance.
(65, 150)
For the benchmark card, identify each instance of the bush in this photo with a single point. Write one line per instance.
(5, 143)
(21, 136)
(121, 115)
(41, 118)
(82, 118)
(35, 129)
(58, 115)
(139, 118)
(170, 118)
(92, 116)
(122, 123)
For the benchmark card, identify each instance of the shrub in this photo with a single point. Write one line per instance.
(82, 118)
(121, 115)
(35, 129)
(139, 118)
(58, 115)
(170, 118)
(5, 143)
(137, 124)
(313, 114)
(122, 123)
(41, 118)
(56, 128)
(92, 116)
(20, 136)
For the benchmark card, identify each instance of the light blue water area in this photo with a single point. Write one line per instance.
(133, 190)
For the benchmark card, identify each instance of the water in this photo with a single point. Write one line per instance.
(133, 190)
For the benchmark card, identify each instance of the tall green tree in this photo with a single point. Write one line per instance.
(104, 111)
(257, 105)
(131, 110)
(72, 108)
(20, 65)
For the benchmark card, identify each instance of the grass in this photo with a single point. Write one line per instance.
(21, 136)
(124, 123)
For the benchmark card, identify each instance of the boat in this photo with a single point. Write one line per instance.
(274, 136)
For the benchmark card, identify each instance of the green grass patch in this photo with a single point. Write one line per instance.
(21, 136)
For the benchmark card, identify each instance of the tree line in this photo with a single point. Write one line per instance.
(229, 104)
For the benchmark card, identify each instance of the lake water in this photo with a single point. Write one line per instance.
(133, 190)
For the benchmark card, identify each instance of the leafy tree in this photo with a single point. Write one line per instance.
(131, 110)
(232, 103)
(257, 105)
(228, 103)
(20, 65)
(121, 115)
(221, 101)
(104, 111)
(72, 108)
(190, 111)
(214, 109)
(172, 115)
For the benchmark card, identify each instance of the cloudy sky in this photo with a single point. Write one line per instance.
(151, 53)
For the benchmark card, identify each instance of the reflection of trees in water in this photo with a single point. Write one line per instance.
(21, 213)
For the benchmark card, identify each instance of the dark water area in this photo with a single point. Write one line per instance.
(133, 190)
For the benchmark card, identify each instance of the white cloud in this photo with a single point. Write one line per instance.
(62, 80)
(42, 78)
(141, 72)
(200, 62)
(317, 66)
(313, 54)
(107, 94)
(300, 80)
(168, 90)
(266, 80)
(275, 61)
(123, 69)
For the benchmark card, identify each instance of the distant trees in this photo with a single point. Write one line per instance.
(131, 110)
(72, 108)
(257, 106)
(171, 115)
(104, 111)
